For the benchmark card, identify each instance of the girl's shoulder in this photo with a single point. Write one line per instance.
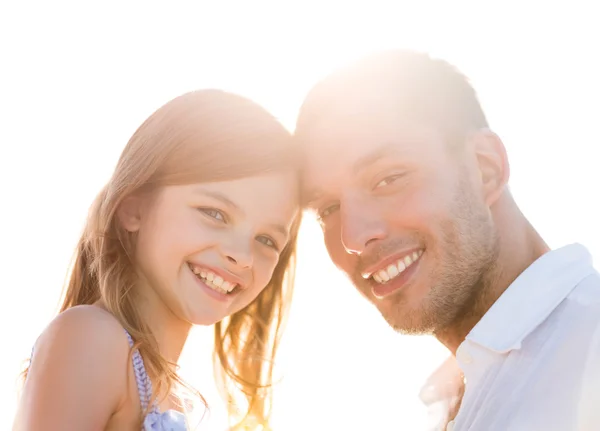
(82, 354)
(85, 336)
(81, 329)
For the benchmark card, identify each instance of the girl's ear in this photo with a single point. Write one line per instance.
(129, 213)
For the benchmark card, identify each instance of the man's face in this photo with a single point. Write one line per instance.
(403, 214)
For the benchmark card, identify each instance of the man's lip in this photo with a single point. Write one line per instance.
(398, 283)
(225, 275)
(382, 264)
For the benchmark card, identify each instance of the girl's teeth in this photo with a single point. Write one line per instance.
(392, 271)
(214, 281)
(215, 287)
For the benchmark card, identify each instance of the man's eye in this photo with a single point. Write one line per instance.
(388, 180)
(213, 213)
(324, 213)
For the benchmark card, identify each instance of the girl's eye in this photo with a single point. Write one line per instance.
(213, 213)
(388, 180)
(267, 241)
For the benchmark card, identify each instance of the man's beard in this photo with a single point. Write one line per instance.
(463, 259)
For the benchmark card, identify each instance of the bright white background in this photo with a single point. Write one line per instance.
(77, 78)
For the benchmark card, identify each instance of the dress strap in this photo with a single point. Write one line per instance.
(143, 382)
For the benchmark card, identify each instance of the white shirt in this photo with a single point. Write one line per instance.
(532, 362)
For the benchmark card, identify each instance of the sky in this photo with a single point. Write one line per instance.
(76, 79)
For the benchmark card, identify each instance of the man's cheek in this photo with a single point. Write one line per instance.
(348, 263)
(337, 251)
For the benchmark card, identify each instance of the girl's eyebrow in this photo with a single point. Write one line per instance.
(218, 196)
(279, 228)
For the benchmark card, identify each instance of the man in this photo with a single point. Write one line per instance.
(410, 187)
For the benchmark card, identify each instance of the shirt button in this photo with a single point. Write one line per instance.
(450, 426)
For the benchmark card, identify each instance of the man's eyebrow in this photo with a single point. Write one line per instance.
(378, 153)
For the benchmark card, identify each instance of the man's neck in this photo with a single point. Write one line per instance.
(520, 245)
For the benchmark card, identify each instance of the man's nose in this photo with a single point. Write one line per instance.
(361, 225)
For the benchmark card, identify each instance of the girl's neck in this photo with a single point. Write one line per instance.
(170, 331)
(171, 334)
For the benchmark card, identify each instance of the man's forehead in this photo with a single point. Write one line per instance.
(347, 141)
(353, 125)
(337, 150)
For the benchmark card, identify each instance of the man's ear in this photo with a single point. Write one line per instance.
(129, 213)
(492, 162)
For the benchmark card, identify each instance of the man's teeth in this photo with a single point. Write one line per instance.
(214, 281)
(395, 269)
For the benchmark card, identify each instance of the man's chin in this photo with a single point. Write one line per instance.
(407, 322)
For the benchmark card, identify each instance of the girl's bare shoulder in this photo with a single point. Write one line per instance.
(80, 359)
(83, 328)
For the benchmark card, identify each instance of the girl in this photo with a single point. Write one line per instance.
(196, 226)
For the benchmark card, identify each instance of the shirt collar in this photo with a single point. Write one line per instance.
(531, 298)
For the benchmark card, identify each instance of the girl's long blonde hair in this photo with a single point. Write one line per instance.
(201, 136)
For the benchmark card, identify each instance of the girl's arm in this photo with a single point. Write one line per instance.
(78, 375)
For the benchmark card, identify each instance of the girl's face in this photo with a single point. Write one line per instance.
(207, 250)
